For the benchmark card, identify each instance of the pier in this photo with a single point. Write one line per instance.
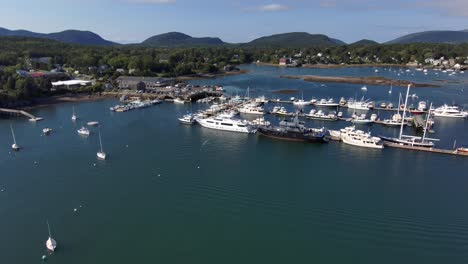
(431, 150)
(20, 112)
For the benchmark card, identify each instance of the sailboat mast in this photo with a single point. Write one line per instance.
(48, 227)
(100, 140)
(399, 103)
(13, 134)
(404, 111)
(427, 122)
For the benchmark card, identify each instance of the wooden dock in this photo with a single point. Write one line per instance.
(431, 150)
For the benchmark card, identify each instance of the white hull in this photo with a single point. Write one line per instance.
(327, 105)
(51, 244)
(460, 115)
(101, 155)
(359, 143)
(213, 124)
(250, 112)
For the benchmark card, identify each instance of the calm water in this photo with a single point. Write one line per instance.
(175, 194)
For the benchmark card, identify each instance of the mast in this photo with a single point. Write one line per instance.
(404, 111)
(73, 110)
(13, 134)
(48, 228)
(399, 103)
(100, 141)
(427, 122)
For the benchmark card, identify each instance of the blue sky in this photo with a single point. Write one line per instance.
(236, 20)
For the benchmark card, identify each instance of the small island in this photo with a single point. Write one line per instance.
(371, 80)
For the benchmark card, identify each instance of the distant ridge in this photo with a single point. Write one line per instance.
(294, 40)
(177, 39)
(364, 42)
(437, 36)
(68, 36)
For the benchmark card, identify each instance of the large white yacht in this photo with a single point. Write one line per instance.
(251, 108)
(351, 136)
(227, 123)
(449, 111)
(358, 105)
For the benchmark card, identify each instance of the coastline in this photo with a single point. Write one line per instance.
(211, 76)
(358, 80)
(335, 66)
(67, 98)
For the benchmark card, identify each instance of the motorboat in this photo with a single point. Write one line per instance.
(47, 131)
(352, 136)
(327, 103)
(83, 131)
(280, 110)
(187, 119)
(320, 115)
(226, 123)
(179, 101)
(449, 111)
(93, 123)
(360, 119)
(359, 105)
(251, 108)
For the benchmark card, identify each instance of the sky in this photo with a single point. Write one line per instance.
(235, 21)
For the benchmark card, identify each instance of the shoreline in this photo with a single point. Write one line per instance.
(211, 76)
(357, 80)
(67, 98)
(335, 66)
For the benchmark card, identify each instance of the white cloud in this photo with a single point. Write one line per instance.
(274, 8)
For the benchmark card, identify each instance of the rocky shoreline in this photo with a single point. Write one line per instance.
(370, 80)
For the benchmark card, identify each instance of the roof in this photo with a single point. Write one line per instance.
(143, 79)
(71, 82)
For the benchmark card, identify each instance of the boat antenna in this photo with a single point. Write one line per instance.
(48, 227)
(404, 110)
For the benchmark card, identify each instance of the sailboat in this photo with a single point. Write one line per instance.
(411, 140)
(396, 118)
(51, 244)
(101, 154)
(391, 87)
(74, 117)
(15, 146)
(301, 102)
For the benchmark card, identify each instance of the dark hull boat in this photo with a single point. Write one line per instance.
(285, 134)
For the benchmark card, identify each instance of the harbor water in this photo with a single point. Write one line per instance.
(172, 193)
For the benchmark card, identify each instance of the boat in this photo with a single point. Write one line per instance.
(463, 150)
(187, 119)
(83, 131)
(51, 244)
(342, 101)
(360, 119)
(364, 88)
(101, 154)
(251, 108)
(449, 111)
(351, 136)
(422, 106)
(391, 88)
(359, 105)
(226, 123)
(394, 121)
(179, 101)
(260, 122)
(93, 123)
(261, 100)
(327, 103)
(47, 131)
(301, 102)
(411, 140)
(277, 110)
(14, 146)
(320, 115)
(294, 131)
(383, 105)
(74, 117)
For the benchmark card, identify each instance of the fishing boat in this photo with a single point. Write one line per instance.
(14, 146)
(320, 115)
(93, 123)
(351, 136)
(83, 131)
(294, 131)
(187, 119)
(101, 154)
(411, 140)
(226, 123)
(449, 111)
(47, 131)
(51, 244)
(74, 117)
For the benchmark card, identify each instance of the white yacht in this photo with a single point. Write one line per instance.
(351, 136)
(260, 122)
(251, 108)
(394, 121)
(51, 244)
(422, 106)
(179, 101)
(14, 146)
(227, 123)
(360, 119)
(327, 103)
(74, 117)
(320, 115)
(449, 111)
(93, 123)
(359, 105)
(101, 154)
(301, 101)
(342, 101)
(261, 100)
(280, 110)
(83, 131)
(364, 88)
(187, 119)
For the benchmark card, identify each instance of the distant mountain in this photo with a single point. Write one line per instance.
(440, 36)
(364, 42)
(177, 39)
(294, 40)
(68, 36)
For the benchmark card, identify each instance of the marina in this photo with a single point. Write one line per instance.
(165, 183)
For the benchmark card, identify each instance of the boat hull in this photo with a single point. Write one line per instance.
(292, 136)
(407, 143)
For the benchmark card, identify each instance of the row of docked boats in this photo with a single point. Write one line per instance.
(137, 104)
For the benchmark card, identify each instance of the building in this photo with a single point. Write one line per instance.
(70, 84)
(142, 83)
(283, 62)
